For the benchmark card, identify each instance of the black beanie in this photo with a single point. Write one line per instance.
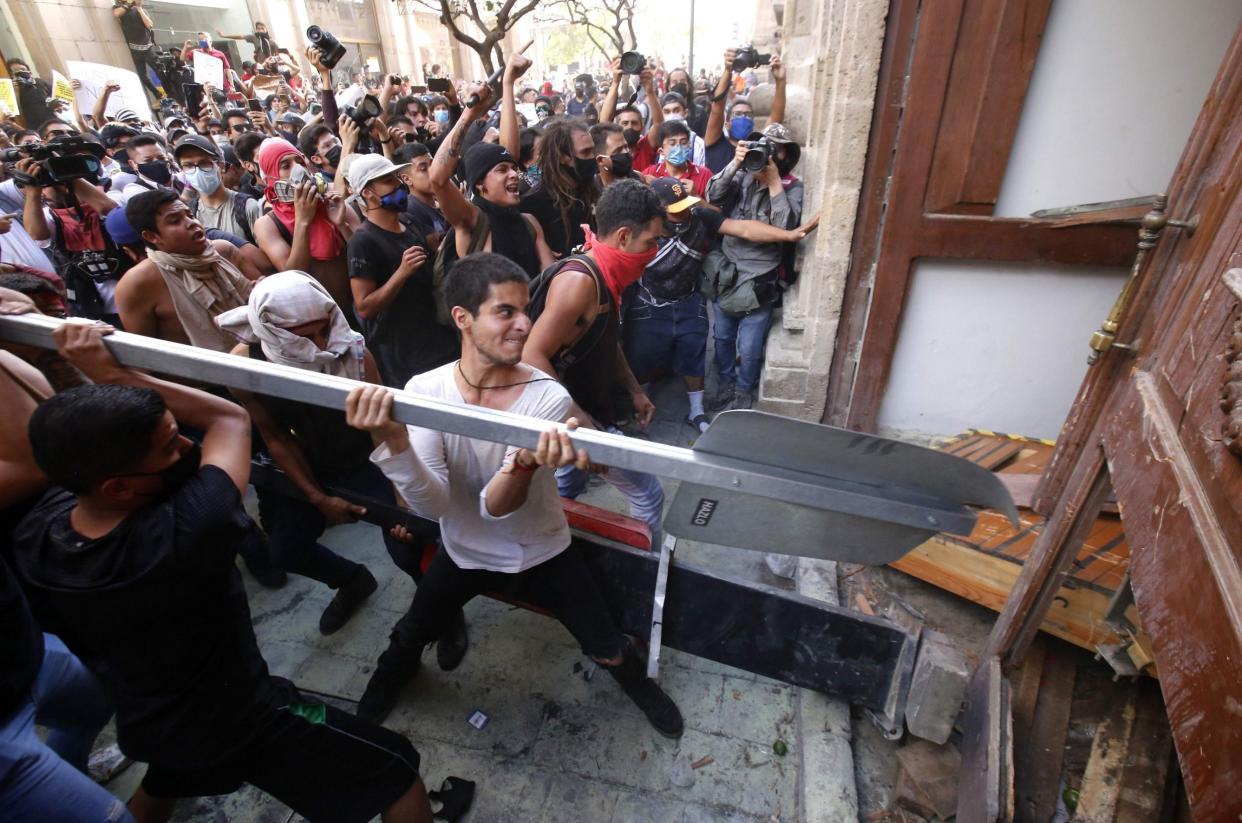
(482, 158)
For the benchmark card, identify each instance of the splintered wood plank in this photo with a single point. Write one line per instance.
(1039, 747)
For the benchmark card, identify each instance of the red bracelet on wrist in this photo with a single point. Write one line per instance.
(521, 468)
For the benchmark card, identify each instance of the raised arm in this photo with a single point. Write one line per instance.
(510, 133)
(778, 98)
(647, 78)
(716, 117)
(456, 208)
(608, 109)
(225, 425)
(33, 218)
(101, 102)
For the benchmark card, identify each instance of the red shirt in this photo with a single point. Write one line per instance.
(644, 153)
(696, 176)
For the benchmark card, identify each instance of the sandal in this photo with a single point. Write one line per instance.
(455, 796)
(701, 422)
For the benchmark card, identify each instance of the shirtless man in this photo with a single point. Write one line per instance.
(162, 296)
(304, 231)
(492, 175)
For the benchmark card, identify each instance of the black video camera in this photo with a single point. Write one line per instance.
(758, 152)
(633, 62)
(748, 57)
(330, 49)
(60, 161)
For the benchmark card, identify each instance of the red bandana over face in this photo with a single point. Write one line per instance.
(620, 268)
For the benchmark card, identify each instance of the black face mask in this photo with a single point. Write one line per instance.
(784, 165)
(156, 170)
(333, 156)
(673, 229)
(622, 165)
(585, 169)
(682, 89)
(174, 476)
(632, 136)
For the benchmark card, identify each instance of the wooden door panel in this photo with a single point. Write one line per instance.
(1188, 588)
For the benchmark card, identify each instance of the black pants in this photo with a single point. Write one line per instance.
(563, 585)
(142, 61)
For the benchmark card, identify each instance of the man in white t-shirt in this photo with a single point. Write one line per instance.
(501, 522)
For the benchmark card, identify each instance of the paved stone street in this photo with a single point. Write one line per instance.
(558, 747)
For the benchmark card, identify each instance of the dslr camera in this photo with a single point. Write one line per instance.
(633, 62)
(758, 152)
(367, 108)
(330, 49)
(748, 57)
(60, 160)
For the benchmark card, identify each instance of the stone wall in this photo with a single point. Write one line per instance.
(832, 50)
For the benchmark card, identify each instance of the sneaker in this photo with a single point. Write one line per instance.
(722, 398)
(660, 709)
(742, 400)
(700, 422)
(452, 645)
(347, 600)
(395, 668)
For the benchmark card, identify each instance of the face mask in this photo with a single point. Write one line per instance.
(442, 116)
(397, 199)
(290, 136)
(204, 181)
(674, 229)
(741, 126)
(543, 114)
(682, 89)
(674, 117)
(221, 139)
(585, 169)
(783, 166)
(622, 165)
(620, 268)
(678, 155)
(203, 44)
(156, 170)
(632, 136)
(333, 156)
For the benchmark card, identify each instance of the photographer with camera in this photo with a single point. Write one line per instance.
(64, 174)
(758, 184)
(724, 133)
(32, 93)
(139, 34)
(308, 225)
(629, 117)
(264, 46)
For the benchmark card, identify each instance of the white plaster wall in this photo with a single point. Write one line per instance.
(997, 346)
(1116, 90)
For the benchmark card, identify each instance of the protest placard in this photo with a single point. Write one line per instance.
(94, 75)
(61, 89)
(8, 98)
(208, 69)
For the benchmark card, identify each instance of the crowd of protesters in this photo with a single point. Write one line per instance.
(550, 254)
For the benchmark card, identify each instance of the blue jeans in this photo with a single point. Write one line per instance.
(41, 781)
(745, 336)
(668, 338)
(643, 491)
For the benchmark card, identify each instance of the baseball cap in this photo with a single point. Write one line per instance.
(364, 168)
(195, 141)
(673, 194)
(119, 229)
(127, 116)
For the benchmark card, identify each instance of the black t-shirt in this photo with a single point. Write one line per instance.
(405, 338)
(678, 264)
(424, 219)
(136, 32)
(156, 609)
(719, 154)
(561, 238)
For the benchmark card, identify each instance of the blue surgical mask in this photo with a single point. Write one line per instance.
(397, 199)
(203, 44)
(442, 116)
(678, 155)
(741, 127)
(204, 181)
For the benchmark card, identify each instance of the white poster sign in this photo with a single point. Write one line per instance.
(95, 75)
(208, 69)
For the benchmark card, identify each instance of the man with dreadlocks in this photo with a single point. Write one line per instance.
(565, 198)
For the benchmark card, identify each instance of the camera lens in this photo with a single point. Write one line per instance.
(314, 34)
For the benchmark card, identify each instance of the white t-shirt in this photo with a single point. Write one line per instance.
(443, 477)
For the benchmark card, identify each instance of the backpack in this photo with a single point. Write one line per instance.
(239, 214)
(446, 255)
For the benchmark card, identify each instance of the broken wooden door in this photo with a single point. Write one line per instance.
(1160, 416)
